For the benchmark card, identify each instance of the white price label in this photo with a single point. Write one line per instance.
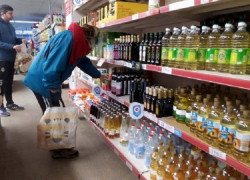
(129, 166)
(119, 63)
(102, 25)
(100, 62)
(116, 152)
(144, 66)
(166, 70)
(154, 118)
(135, 16)
(217, 153)
(169, 128)
(129, 65)
(161, 123)
(181, 5)
(204, 1)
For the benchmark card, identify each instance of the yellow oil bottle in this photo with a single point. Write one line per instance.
(180, 47)
(201, 126)
(248, 58)
(172, 51)
(202, 51)
(213, 123)
(225, 43)
(242, 137)
(182, 106)
(227, 130)
(191, 49)
(178, 174)
(218, 175)
(182, 164)
(238, 57)
(213, 49)
(165, 46)
(190, 160)
(196, 152)
(242, 107)
(198, 168)
(106, 125)
(191, 100)
(194, 113)
(210, 174)
(154, 165)
(169, 170)
(161, 167)
(190, 172)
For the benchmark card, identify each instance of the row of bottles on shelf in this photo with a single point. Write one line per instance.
(166, 155)
(218, 117)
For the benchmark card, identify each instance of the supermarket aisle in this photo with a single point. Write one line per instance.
(20, 159)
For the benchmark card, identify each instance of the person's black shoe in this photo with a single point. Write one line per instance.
(14, 107)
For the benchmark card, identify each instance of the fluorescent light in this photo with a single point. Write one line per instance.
(32, 22)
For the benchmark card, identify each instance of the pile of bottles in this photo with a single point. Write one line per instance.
(218, 117)
(167, 163)
(108, 117)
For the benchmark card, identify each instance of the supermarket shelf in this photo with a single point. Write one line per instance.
(135, 165)
(123, 99)
(90, 84)
(239, 81)
(90, 5)
(177, 13)
(183, 132)
(93, 58)
(42, 30)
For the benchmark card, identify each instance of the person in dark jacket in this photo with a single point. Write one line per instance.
(9, 45)
(55, 63)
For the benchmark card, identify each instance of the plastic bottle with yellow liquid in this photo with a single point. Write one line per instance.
(191, 100)
(191, 49)
(180, 47)
(213, 49)
(218, 175)
(161, 167)
(213, 123)
(225, 49)
(242, 138)
(194, 113)
(201, 126)
(154, 165)
(227, 130)
(190, 172)
(169, 170)
(178, 174)
(182, 106)
(176, 101)
(248, 58)
(172, 51)
(240, 41)
(202, 51)
(210, 173)
(165, 47)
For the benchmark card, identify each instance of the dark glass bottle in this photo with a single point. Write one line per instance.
(153, 48)
(113, 82)
(149, 48)
(159, 105)
(125, 84)
(153, 101)
(132, 95)
(141, 47)
(137, 48)
(131, 48)
(121, 46)
(149, 99)
(116, 49)
(170, 102)
(158, 50)
(145, 48)
(145, 99)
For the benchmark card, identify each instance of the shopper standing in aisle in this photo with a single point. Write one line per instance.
(9, 45)
(55, 63)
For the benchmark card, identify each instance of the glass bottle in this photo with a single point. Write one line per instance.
(158, 50)
(149, 48)
(191, 100)
(181, 106)
(141, 46)
(165, 46)
(225, 43)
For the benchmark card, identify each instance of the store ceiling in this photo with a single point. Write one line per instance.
(33, 10)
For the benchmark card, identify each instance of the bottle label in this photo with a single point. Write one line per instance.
(164, 53)
(116, 55)
(226, 134)
(174, 55)
(202, 54)
(213, 128)
(124, 88)
(157, 110)
(144, 53)
(212, 55)
(140, 53)
(118, 88)
(201, 123)
(238, 56)
(180, 54)
(191, 55)
(242, 141)
(193, 118)
(174, 110)
(180, 114)
(139, 151)
(148, 105)
(224, 56)
(188, 115)
(147, 160)
(170, 53)
(248, 57)
(148, 53)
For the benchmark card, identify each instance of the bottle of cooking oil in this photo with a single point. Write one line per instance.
(227, 130)
(191, 100)
(225, 43)
(242, 107)
(212, 51)
(190, 160)
(161, 167)
(204, 162)
(194, 113)
(242, 137)
(196, 152)
(238, 57)
(165, 46)
(210, 173)
(218, 175)
(180, 47)
(106, 125)
(191, 50)
(182, 106)
(172, 51)
(182, 164)
(248, 58)
(154, 165)
(198, 168)
(190, 172)
(201, 126)
(176, 101)
(202, 52)
(213, 123)
(178, 174)
(169, 170)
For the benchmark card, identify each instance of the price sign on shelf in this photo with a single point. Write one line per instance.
(166, 70)
(136, 110)
(100, 62)
(135, 16)
(217, 153)
(169, 128)
(161, 123)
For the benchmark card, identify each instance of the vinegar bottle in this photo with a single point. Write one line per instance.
(225, 43)
(238, 57)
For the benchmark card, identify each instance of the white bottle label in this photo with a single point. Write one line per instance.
(188, 115)
(242, 141)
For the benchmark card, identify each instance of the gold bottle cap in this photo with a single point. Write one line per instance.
(229, 103)
(246, 112)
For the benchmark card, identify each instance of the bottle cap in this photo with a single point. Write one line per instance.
(176, 29)
(216, 26)
(143, 124)
(139, 128)
(148, 126)
(204, 27)
(167, 29)
(150, 135)
(184, 28)
(153, 130)
(193, 27)
(162, 132)
(228, 25)
(133, 124)
(242, 24)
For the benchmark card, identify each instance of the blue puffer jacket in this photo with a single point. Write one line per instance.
(50, 68)
(7, 41)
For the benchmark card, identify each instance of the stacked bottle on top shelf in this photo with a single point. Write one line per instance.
(218, 117)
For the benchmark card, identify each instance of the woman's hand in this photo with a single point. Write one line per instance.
(103, 78)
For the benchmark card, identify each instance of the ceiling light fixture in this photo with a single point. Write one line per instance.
(31, 22)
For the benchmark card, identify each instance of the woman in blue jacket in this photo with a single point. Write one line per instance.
(55, 63)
